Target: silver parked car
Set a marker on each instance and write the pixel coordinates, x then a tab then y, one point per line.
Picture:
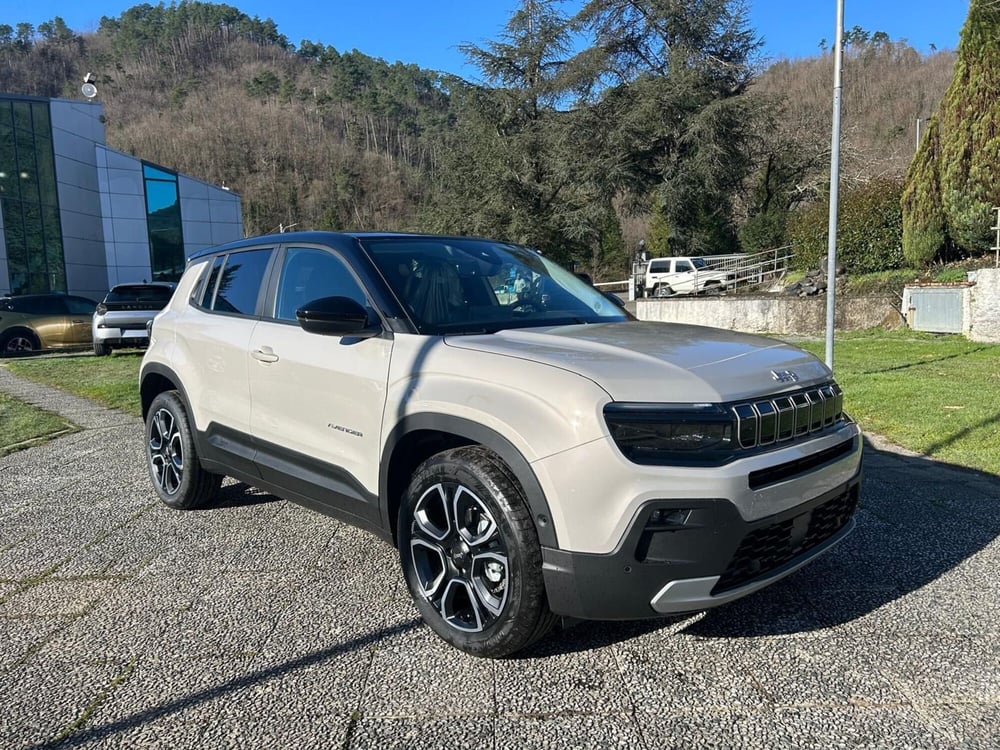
121	317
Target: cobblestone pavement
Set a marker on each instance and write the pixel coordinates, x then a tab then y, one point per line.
256	623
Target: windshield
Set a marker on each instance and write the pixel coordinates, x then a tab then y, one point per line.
699	263
477	286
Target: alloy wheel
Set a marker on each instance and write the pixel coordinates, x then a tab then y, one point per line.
459	557
165	452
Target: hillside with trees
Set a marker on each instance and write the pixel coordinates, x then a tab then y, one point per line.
664	127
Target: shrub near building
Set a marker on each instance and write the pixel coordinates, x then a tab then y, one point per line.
870	229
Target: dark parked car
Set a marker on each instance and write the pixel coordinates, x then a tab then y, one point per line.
121	318
32	322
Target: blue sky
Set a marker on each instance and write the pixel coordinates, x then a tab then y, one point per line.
428	33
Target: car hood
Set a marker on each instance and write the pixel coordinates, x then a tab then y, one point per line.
660	362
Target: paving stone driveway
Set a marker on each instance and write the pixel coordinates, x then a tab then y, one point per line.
256	623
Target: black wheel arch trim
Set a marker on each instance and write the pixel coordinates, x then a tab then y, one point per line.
485	436
155	368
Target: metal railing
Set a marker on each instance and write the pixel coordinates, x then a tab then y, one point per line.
744	269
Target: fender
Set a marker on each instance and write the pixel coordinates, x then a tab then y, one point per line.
477	433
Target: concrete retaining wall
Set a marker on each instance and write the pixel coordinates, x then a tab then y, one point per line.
773	313
984	307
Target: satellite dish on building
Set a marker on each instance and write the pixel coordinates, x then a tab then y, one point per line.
88	89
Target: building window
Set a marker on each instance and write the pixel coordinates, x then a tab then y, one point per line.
28	198
163	218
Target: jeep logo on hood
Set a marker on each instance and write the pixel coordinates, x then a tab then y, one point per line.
784	376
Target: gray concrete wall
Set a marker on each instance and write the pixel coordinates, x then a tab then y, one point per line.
76	127
984	307
772	313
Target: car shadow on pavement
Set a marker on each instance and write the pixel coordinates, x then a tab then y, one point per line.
103	732
238	495
918	521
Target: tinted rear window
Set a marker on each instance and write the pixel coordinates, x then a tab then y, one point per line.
139	294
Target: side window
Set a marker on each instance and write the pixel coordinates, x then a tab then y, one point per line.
240	281
683	265
308	274
79	306
659	266
45	305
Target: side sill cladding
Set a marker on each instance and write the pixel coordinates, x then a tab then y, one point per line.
474	433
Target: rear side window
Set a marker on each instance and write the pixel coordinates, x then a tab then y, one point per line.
659	266
240	282
80	306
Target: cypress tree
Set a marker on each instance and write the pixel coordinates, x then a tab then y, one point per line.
923	213
951	185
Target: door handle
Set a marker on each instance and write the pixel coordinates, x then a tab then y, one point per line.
264	354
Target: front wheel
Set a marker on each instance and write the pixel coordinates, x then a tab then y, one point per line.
470	554
101	349
177	475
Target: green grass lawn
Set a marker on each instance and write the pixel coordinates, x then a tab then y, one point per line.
112	381
25	425
939	395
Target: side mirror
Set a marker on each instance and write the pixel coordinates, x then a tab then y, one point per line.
337	316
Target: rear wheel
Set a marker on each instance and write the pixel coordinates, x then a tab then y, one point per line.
19	342
470	554
177	475
662	290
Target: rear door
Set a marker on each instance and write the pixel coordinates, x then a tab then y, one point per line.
318	400
213	352
81	313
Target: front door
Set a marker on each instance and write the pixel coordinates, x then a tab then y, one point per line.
317	401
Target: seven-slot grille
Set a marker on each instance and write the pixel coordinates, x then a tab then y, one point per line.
788	416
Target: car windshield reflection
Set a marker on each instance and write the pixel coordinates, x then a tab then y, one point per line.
464	286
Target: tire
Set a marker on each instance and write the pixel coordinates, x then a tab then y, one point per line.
172	459
662	290
470	554
20	341
101	349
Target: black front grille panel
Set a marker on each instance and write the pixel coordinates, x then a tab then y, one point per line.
764	550
774	474
789	416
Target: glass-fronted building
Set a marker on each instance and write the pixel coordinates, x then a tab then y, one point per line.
79	217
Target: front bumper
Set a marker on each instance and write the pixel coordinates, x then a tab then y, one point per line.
714	557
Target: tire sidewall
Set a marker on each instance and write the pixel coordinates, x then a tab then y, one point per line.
523	555
171	402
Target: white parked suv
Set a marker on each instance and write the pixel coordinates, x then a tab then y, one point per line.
668	276
531	454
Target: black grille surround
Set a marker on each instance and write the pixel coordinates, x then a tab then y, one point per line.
788	416
756	426
766	549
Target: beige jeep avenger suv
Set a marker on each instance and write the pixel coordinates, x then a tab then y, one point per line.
530	451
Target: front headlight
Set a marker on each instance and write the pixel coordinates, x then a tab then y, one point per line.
697	434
